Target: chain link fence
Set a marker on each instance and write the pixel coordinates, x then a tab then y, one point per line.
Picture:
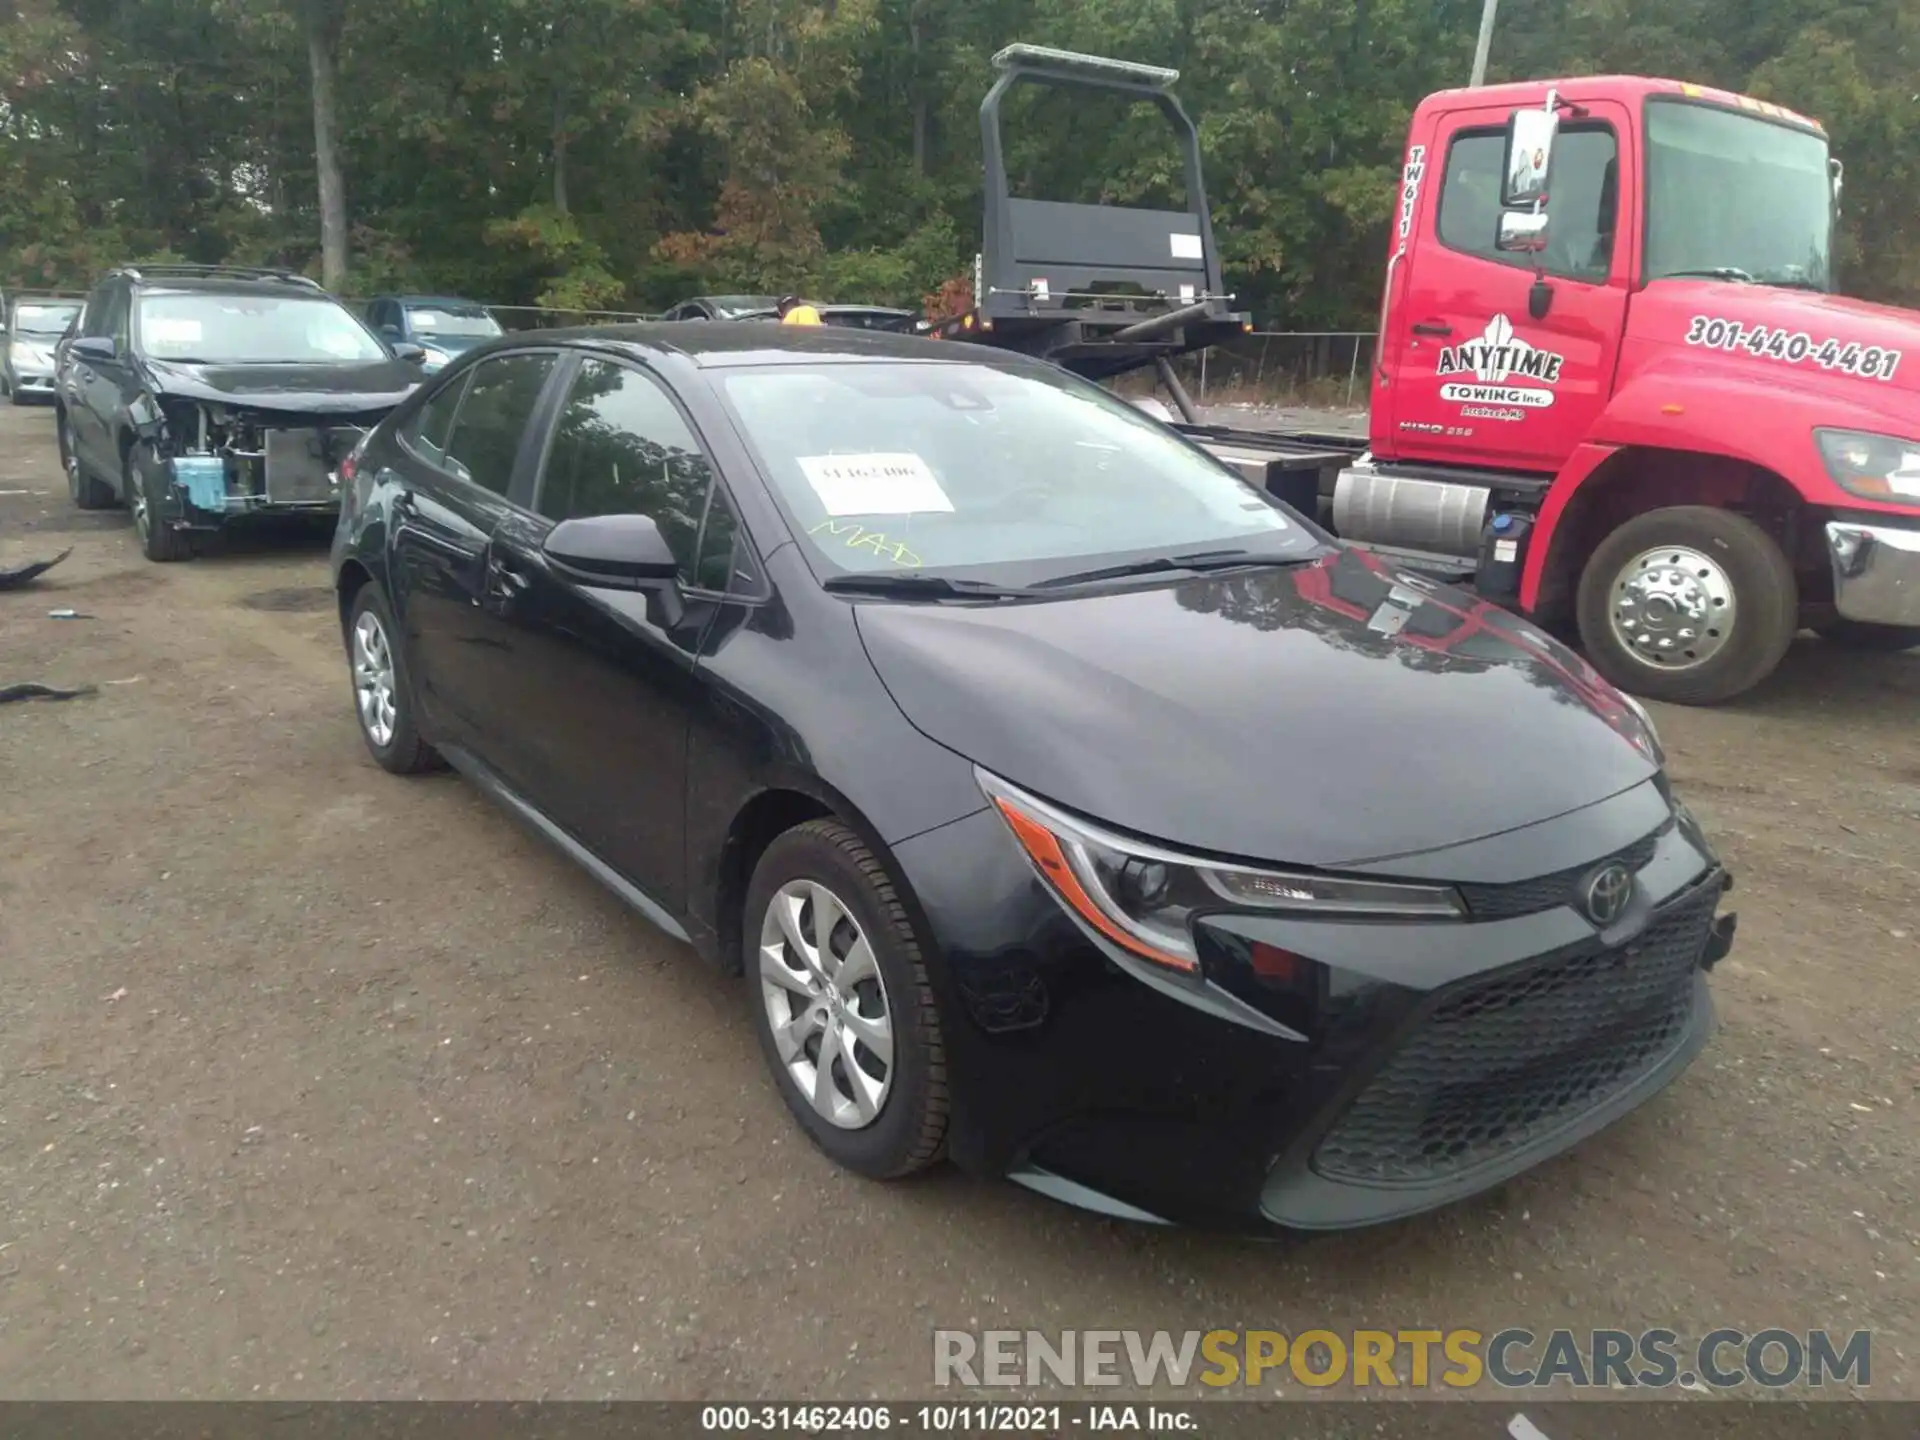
1317	369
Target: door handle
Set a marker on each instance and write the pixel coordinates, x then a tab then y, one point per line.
504	581
1432	327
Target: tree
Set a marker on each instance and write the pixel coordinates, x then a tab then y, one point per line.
324	23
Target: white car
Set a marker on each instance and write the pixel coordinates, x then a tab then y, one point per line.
34	327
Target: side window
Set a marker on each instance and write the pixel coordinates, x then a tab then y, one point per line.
379	316
501	394
100	313
621	448
719	539
118	314
433	421
1586	183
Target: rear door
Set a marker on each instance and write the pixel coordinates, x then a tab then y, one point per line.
605	680
98	384
462	453
1478	379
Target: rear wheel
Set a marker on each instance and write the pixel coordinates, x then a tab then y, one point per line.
145	487
1858	635
82	488
382	688
1688	604
845	1014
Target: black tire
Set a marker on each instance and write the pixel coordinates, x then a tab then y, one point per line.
85	489
1858	635
908	1131
1765	605
402	752
144	489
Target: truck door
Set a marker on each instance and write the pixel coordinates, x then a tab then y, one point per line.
1477	380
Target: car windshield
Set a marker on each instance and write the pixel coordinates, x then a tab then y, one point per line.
254	330
888	466
1735	194
464	321
42	320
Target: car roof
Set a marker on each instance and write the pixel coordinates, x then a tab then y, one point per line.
228	285
712	346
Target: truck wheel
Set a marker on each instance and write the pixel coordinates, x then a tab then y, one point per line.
1688	604
1858	635
158	540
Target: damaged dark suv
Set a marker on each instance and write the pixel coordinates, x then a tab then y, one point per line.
196	395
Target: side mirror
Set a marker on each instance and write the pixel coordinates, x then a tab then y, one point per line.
406	350
1839	174
95	347
1522	232
622	552
615	550
1528	165
392	332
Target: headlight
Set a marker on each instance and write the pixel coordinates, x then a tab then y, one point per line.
435	357
1145	899
1874	467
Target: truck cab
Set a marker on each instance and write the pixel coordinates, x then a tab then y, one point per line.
1614	388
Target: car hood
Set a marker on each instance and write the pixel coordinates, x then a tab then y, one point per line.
1330	713
323	389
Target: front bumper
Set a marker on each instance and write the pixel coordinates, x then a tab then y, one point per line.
1876	571
30	383
1070	1075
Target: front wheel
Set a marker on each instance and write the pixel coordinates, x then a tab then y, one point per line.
1688	604
145	485
1859	635
845	1014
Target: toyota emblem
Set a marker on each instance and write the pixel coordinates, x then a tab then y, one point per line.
1606	894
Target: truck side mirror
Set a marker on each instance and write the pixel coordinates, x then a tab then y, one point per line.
1523	232
1529	156
1839	174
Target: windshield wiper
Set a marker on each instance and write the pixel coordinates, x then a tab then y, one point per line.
1712	272
915	585
1196	560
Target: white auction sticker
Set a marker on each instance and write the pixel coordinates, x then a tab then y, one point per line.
881	484
1184	246
172	330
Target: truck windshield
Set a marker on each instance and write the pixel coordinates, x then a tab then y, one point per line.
1736	196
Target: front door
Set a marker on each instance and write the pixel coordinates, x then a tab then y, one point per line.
605	679
462	451
1480	380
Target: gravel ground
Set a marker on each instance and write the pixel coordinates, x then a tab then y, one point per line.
319	1083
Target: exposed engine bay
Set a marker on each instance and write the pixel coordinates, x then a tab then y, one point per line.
233	460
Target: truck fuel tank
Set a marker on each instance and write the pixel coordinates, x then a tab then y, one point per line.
1407	511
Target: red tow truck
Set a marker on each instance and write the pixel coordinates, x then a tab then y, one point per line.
1613	388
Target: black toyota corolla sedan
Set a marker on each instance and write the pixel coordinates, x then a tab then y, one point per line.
1069	808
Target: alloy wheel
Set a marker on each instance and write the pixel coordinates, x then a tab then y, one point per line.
826	1004
137	503
373	679
71	459
1673	608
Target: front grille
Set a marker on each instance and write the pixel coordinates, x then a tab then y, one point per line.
1526	897
1497	1065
